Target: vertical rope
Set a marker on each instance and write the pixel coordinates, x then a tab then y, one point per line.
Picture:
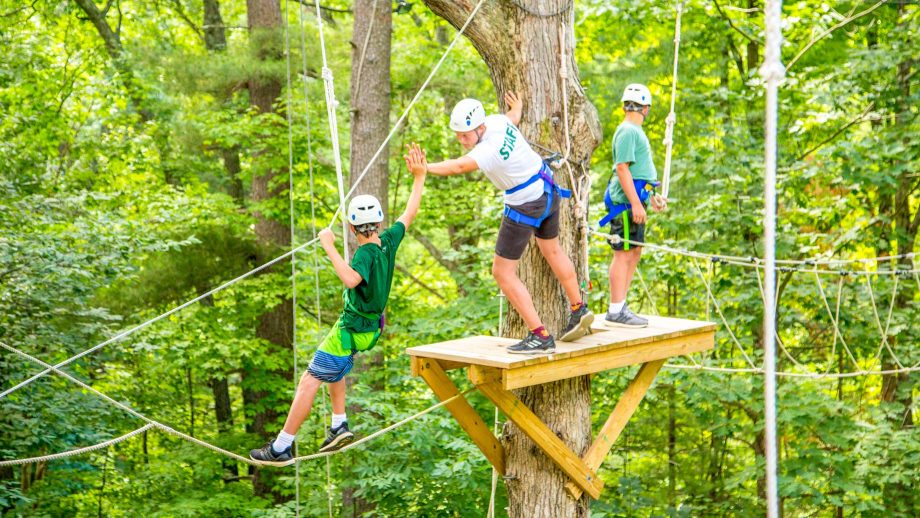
672	116
290	128
491	512
318	309
331	104
772	73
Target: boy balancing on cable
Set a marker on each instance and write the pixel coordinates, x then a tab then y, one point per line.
630	189
367	280
498	148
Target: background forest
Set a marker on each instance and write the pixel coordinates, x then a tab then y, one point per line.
144	160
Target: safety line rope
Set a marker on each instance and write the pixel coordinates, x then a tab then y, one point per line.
166	428
281	257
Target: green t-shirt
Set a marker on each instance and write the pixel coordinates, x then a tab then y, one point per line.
375	264
631	146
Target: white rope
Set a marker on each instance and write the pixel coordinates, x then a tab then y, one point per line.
779	339
648	294
884	330
755	262
290	127
672	116
156	319
204	444
799	375
78	451
409	106
331	105
316	288
501	314
282	256
835	319
721	315
772	72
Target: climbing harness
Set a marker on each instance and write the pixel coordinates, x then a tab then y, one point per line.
549	187
644	188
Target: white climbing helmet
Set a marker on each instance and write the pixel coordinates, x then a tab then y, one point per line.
467	115
364	209
638	94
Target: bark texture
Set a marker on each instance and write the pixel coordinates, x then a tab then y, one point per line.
370	123
521	42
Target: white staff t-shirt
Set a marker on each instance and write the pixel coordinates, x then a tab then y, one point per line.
508	160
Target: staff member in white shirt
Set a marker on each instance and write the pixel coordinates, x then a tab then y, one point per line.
497	147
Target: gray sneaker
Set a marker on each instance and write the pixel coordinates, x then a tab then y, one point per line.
625	318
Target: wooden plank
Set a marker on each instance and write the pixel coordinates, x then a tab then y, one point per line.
431	371
479	374
621	414
605	360
491	351
539	433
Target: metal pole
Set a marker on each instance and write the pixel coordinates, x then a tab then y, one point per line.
772	72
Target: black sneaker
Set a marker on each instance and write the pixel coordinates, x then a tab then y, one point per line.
267	454
337	438
579	324
534	344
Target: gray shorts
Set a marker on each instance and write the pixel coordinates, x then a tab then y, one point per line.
513	237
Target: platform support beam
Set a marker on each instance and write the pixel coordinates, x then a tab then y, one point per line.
621	414
430	370
580	474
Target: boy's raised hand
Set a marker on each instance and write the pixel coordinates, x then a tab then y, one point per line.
416	161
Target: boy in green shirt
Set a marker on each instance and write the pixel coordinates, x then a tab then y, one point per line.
367	279
626	198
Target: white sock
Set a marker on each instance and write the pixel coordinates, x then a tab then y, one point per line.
283	441
338	419
616	307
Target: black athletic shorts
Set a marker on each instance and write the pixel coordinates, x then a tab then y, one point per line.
513	237
624	226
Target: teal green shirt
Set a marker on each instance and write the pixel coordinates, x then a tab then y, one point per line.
631	146
375	264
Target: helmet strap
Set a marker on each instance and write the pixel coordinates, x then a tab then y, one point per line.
479	135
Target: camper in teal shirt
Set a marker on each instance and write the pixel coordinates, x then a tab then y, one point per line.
629	191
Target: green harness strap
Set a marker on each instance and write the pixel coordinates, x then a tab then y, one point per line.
345	335
625	230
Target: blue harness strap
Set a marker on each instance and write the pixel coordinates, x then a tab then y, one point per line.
549	187
644	189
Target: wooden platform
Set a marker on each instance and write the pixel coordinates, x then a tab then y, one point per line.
495	372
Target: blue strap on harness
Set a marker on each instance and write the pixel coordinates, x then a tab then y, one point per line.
644	189
549	187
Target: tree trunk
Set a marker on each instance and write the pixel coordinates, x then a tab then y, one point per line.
276	324
522	52
370	123
899	387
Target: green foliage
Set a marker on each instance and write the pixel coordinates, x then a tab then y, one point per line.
120	198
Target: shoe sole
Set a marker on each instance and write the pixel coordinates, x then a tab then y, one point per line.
271	462
339	442
608	323
582	329
531	353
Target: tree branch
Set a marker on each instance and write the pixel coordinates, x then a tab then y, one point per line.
838	132
418	281
832	29
182	14
433	250
733	26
